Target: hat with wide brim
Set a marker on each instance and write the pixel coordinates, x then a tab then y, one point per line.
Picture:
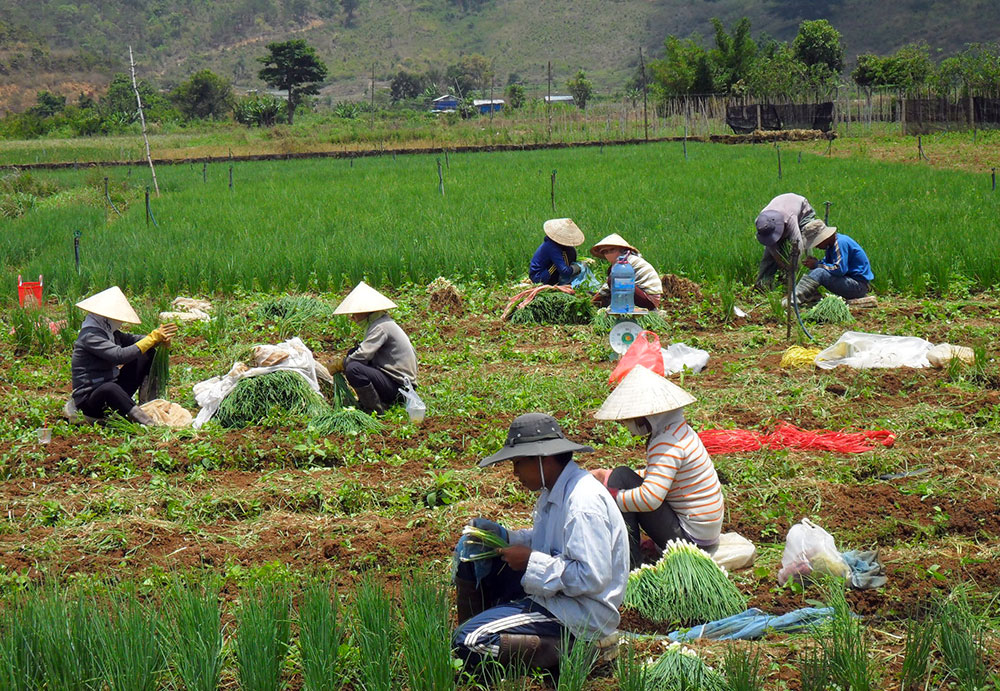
815	232
534	434
641	393
613	240
364	299
110	303
563	231
770	227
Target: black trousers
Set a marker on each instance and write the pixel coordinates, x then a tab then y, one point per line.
360	374
661	525
116	396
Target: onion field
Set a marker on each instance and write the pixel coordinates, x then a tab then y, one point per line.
326	223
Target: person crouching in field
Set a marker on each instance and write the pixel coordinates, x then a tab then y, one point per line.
678	495
844	270
780	225
564	575
648	287
108	366
378	366
554	262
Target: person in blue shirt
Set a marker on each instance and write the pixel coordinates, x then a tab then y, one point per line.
844	269
554	262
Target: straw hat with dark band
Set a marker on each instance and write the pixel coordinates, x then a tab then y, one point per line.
564	232
815	232
112	304
534	434
364	299
641	393
613	240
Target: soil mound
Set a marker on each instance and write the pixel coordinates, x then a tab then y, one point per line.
447	300
680	287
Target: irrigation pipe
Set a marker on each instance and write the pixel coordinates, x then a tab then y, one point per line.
108	197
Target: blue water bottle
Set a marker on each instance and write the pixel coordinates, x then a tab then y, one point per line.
622	287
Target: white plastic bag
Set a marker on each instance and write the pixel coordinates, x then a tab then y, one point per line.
810	549
677	356
734	552
415	406
863	350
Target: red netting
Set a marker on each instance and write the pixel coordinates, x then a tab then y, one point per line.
787	436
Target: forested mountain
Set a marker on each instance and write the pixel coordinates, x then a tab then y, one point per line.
74	46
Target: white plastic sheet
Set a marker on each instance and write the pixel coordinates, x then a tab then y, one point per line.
209	393
864	350
677	356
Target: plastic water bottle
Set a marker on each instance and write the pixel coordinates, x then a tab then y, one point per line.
622	287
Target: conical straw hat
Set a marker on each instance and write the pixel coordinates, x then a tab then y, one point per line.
643	392
110	303
564	231
613	240
364	299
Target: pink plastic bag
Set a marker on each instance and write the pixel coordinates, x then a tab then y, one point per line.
644	351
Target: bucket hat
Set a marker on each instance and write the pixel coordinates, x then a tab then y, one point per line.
641	393
563	231
364	299
110	303
815	232
613	240
770	227
534	434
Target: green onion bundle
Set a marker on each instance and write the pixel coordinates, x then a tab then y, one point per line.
342	395
555	307
159	372
685	588
681	668
830	310
347	420
486	539
604	321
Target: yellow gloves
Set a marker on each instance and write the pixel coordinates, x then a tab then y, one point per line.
161	334
337	365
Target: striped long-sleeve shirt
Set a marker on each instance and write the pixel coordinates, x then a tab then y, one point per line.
680	472
646	277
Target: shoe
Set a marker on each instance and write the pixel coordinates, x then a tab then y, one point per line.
139	415
369	400
74	416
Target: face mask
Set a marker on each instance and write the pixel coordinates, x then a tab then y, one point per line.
638	426
115	324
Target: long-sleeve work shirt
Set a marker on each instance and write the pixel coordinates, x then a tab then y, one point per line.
387	347
98	353
846	258
551	263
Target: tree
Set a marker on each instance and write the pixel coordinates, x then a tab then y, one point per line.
683	70
733	54
868	72
349	7
581	88
292	66
204	95
48	104
818	43
908	68
779	74
515	96
406	85
470	72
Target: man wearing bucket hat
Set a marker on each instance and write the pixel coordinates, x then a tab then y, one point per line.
678	495
648	287
384	360
567	573
108	366
844	271
554	262
779	229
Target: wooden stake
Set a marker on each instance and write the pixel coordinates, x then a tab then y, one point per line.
142	119
645	115
440	178
548	102
553	193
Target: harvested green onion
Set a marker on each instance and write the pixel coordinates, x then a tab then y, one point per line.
830	310
486	539
681	668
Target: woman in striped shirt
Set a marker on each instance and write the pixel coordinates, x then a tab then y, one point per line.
677	495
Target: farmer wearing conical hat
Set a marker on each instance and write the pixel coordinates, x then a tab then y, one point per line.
779	228
554	262
648	287
378	366
108	366
844	270
678	495
565	574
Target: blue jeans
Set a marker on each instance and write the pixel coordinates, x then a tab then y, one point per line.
847	287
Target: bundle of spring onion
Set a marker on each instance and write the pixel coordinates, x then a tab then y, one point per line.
345	421
159	372
555	307
604	321
342	395
830	310
681	668
685	587
490	542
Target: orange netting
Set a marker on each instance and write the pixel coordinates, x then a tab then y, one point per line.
787	436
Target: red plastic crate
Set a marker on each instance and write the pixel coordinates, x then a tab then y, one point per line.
30	292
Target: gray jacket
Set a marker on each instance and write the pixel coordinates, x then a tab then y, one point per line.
98	353
387	347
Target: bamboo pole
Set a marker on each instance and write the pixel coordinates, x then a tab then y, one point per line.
142	119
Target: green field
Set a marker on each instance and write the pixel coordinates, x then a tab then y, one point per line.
329	222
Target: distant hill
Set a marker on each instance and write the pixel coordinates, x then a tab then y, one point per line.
71	48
